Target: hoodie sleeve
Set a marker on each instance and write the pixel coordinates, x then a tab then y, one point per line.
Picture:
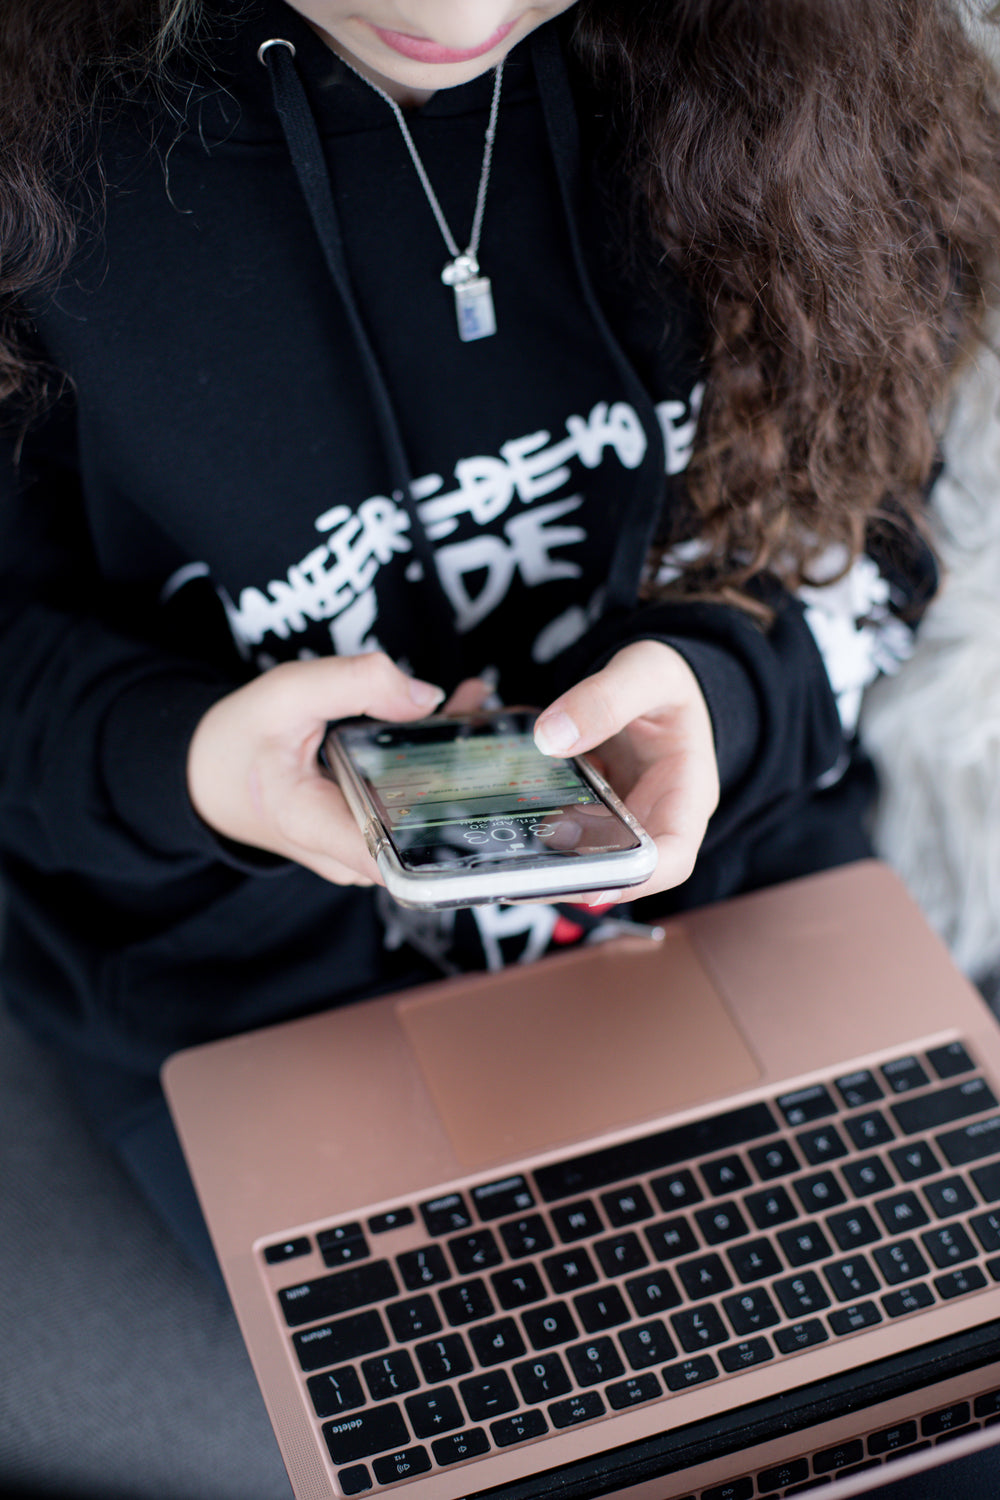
95	719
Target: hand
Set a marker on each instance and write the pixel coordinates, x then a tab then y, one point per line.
645	716
253	773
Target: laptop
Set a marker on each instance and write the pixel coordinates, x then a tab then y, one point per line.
715	1216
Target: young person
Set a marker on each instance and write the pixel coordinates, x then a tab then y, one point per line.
255	477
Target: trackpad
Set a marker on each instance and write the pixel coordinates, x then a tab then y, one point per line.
560	1051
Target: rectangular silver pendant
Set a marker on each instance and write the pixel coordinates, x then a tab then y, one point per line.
474	309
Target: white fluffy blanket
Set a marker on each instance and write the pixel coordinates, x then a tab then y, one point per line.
934	728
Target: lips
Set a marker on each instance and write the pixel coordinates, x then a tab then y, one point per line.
422	49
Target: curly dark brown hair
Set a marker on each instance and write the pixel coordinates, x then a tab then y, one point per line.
824	174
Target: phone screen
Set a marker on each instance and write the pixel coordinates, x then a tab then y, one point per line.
477	791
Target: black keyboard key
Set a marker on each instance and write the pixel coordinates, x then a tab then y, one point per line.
656	1153
446	1215
424	1267
652	1293
948	1246
944	1106
750	1311
633	1391
770	1207
850	1279
580	1408
993	1266
689	1372
699	1328
903	1074
677	1190
957	1283
900	1262
627	1205
466	1302
460	1445
800	1295
948	1197
776	1159
335	1391
519	1428
495	1343
601	1309
726	1174
570	1272
594	1362
495	1200
804	1244
733	1489
908	1299
547	1326
542	1378
819	1192
416	1318
342	1292
287	1250
782	1475
857	1315
388	1375
915	1161
806	1105
355	1480
577	1221
801	1336
528	1236
648	1344
867	1175
704	1277
853	1228
973	1143
859	1089
946	1420
871	1129
850	1452
444	1358
745	1354
950	1060
986	1228
721	1222
753	1260
673	1237
396	1218
432	1412
987	1405
488	1396
343	1244
518	1286
891	1439
344	1339
821	1145
987	1180
475	1252
621	1254
902	1213
365	1432
404	1464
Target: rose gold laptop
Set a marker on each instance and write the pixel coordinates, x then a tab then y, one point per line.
716	1217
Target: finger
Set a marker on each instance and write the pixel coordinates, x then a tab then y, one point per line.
644	677
468	697
336	687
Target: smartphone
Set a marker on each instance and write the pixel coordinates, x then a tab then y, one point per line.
465	811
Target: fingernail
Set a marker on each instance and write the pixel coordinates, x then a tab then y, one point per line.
606	898
556	734
425	694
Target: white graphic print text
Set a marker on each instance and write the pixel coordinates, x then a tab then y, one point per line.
335	582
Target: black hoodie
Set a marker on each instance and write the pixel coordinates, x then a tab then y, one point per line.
270	430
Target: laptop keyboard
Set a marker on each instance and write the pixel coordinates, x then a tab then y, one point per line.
547	1299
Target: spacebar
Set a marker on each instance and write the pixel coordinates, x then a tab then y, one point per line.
651	1153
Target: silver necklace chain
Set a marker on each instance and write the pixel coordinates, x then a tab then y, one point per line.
473	299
